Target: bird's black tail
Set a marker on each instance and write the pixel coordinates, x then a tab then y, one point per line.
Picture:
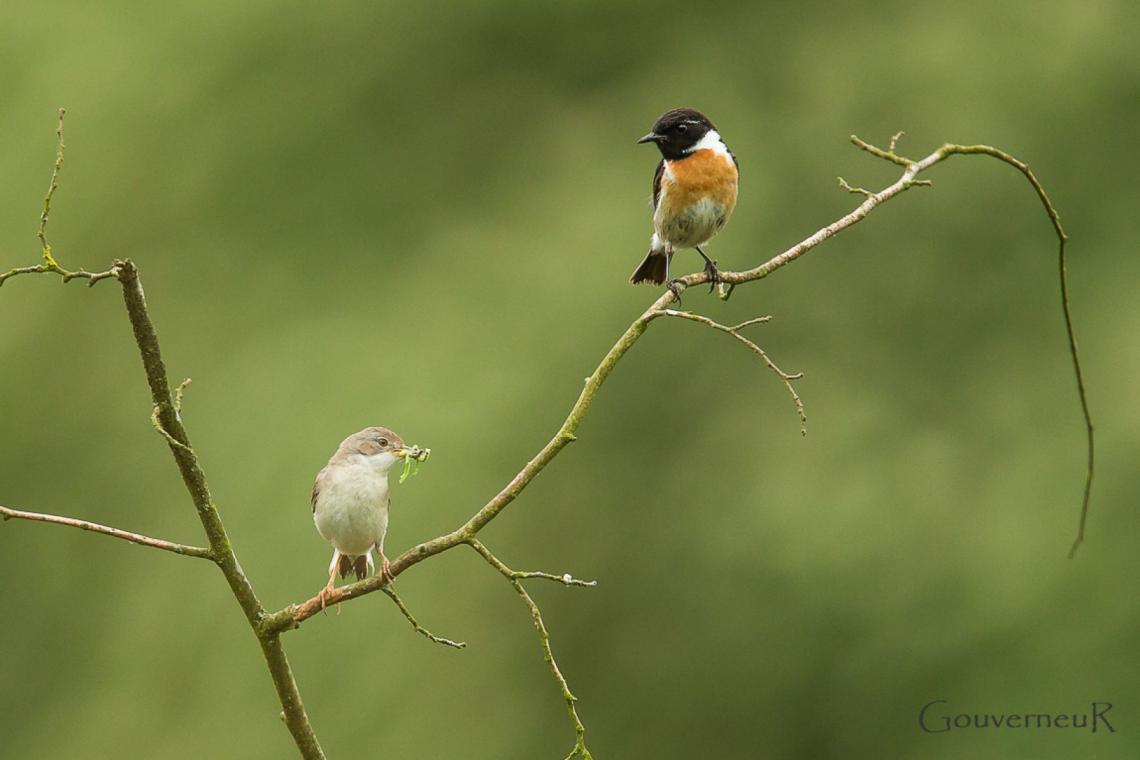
654	268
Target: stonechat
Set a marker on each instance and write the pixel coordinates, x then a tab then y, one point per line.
694	192
350	501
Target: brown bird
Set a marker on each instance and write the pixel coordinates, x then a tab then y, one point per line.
350	502
694	192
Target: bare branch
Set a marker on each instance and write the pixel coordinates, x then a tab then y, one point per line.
1062	239
785	377
42	232
565	579
106	530
182	386
292	616
48	263
512	577
387	589
157	425
856	190
167	421
950	149
888	154
749	322
68	276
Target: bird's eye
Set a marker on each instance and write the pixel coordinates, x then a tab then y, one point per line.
383	442
682	128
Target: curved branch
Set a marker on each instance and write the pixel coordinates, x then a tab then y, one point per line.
106	530
293	615
513	577
391	592
1070	333
950	149
785	377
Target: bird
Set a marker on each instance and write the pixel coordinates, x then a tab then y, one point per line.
350	502
694	192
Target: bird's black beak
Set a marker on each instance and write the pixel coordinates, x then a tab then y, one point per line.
651	137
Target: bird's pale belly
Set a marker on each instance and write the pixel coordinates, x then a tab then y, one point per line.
694	225
352	514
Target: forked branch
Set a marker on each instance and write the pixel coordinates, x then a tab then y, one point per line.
515	579
48	262
734	331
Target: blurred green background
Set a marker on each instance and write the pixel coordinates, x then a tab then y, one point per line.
423	216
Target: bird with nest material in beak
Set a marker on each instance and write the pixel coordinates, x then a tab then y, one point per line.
350	502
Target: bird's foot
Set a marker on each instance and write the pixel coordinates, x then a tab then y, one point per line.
672	285
385	570
325	594
713	273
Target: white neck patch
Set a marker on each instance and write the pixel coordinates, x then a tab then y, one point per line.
711	141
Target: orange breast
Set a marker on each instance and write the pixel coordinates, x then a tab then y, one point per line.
705	174
697	196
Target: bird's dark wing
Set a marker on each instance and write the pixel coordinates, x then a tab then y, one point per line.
316	491
657	182
734	159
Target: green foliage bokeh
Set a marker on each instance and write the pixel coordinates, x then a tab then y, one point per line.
423	216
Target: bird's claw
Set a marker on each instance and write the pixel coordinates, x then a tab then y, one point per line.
324	596
672	285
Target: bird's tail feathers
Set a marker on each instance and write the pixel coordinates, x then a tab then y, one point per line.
653	268
357	565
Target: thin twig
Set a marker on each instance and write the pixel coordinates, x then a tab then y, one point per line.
512	577
785	377
749	322
951	149
68	276
888	154
857	190
106	530
157	424
1062	239
565	579
182	386
387	589
41	233
48	262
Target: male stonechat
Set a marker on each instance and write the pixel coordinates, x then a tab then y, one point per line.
350	501
694	192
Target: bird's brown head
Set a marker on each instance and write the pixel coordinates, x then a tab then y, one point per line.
678	131
376	445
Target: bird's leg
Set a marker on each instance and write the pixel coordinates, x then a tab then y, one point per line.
327	591
670	282
385	566
710	270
